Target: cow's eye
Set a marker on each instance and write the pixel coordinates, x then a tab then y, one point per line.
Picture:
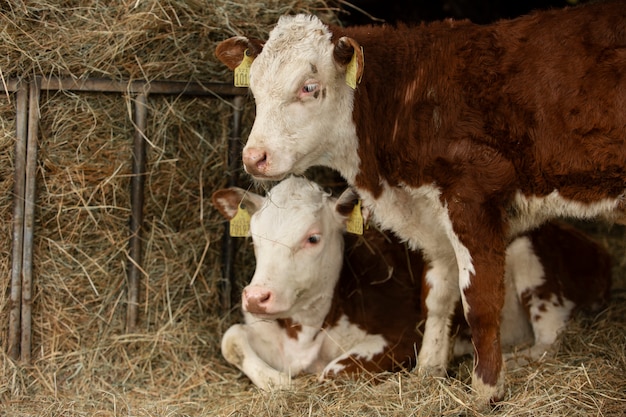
310	88
314	239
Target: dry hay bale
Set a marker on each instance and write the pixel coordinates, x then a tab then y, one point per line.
136	39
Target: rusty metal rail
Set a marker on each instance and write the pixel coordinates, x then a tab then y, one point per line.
27	123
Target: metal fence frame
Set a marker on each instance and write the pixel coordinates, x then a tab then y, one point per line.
27	123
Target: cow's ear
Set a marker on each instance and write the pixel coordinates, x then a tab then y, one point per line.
346	203
348	54
232	50
228	200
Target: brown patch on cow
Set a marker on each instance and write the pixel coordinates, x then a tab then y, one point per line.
390	360
291	328
377	302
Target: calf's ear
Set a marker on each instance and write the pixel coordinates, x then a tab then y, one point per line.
348	55
228	200
346	203
231	51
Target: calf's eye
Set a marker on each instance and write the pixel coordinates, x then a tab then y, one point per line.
314	239
310	88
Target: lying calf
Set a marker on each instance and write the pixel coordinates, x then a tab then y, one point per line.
316	306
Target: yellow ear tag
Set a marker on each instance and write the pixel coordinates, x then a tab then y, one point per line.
351	71
242	72
354	224
240	224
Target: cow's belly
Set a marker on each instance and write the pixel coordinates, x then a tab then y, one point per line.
529	212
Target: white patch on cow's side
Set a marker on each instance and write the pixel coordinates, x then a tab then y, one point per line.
347	340
530	212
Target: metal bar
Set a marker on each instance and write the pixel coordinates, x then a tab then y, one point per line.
22	253
227	282
136	220
29	219
142	87
11	86
21	122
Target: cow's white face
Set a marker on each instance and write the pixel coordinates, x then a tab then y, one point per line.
298	245
297	232
303	105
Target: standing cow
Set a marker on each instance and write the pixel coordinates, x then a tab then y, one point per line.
456	136
317	305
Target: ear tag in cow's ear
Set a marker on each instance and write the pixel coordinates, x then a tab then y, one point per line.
353	69
354	223
240	224
242	72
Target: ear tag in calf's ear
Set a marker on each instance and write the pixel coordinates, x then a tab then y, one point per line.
242	72
240	224
354	224
352	70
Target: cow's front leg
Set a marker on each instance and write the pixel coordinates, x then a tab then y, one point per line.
482	285
442	294
239	350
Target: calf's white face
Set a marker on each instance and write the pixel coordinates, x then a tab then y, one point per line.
297	235
303	103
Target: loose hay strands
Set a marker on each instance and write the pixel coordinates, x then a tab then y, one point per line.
84	363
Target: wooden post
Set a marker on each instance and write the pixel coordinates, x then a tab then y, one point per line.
136	219
15	314
29	219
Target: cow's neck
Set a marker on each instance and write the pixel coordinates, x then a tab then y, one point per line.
312	314
394	105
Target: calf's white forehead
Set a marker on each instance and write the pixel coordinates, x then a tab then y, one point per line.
295	42
290	206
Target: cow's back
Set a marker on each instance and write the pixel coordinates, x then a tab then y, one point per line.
531	104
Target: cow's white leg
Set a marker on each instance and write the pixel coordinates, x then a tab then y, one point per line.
440	303
548	318
237	350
